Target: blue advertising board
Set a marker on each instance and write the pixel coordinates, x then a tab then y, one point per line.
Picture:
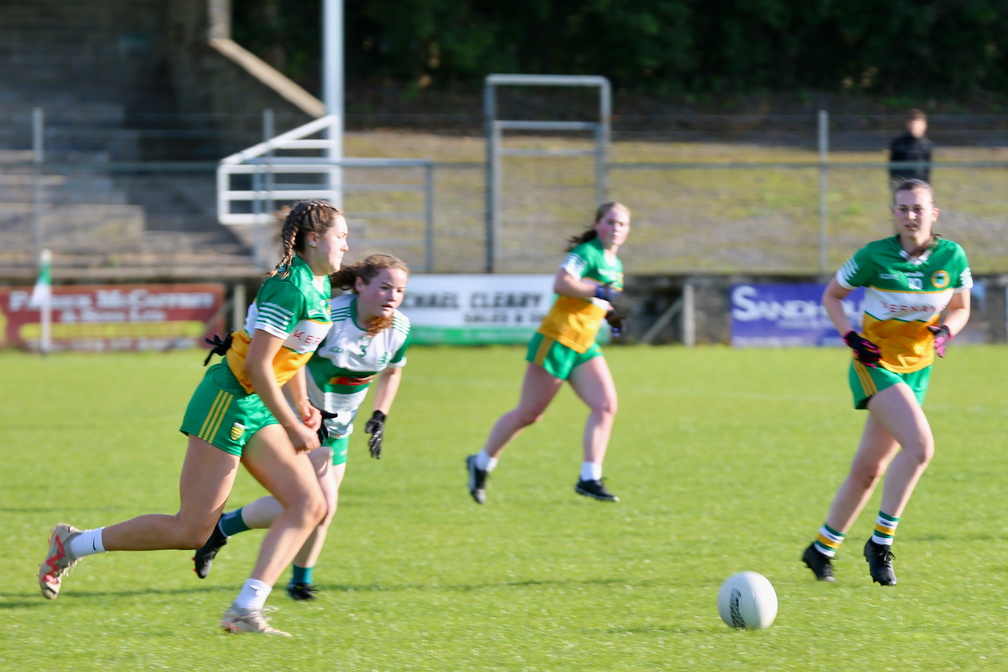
787	315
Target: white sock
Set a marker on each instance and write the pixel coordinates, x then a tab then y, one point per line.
591	471
87	542
485	462
253	595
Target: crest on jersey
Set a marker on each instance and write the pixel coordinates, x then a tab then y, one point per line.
940	279
237	430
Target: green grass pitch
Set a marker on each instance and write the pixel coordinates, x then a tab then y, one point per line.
725	459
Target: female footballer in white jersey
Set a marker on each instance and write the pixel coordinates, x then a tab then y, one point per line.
367	343
239	415
564	349
917	298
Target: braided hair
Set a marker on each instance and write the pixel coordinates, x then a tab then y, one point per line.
367	270
591	233
305	217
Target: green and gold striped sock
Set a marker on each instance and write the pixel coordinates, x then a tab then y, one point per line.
828	540
885	529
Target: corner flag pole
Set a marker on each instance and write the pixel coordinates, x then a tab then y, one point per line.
41	298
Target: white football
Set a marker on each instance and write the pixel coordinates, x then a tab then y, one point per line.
747	600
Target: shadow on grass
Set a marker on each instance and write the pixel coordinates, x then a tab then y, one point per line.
19	599
656	630
494	585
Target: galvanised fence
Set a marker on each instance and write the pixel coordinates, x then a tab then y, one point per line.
767	194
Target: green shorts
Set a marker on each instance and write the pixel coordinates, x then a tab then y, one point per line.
557	359
222	413
340	449
865	382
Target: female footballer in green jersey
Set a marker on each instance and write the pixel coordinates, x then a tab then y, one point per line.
564	349
239	415
917	298
367	343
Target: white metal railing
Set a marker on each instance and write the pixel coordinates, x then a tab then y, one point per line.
269	177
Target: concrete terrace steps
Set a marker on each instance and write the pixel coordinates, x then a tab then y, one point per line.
115	241
97	71
59	190
96	230
73	129
150	256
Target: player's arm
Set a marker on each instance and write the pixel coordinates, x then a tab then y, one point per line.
566	284
386	388
957	313
832	302
259	367
296	392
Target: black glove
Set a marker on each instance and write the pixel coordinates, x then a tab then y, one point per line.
607	292
866	352
376	428
323	431
615	321
220	346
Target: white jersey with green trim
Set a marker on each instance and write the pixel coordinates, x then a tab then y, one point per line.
348	360
904	295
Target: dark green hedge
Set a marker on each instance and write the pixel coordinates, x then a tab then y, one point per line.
909	48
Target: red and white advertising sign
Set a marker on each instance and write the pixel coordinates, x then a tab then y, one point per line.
115	317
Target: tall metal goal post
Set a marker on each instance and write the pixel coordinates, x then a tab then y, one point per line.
495	127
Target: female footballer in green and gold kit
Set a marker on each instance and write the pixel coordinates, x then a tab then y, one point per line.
239	415
589	280
917	298
367	344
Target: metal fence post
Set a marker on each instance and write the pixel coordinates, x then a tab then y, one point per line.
489	116
239	306
38	142
823	176
258	253
689	315
429	213
604	129
270	179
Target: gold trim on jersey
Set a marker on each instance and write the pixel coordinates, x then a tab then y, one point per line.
905	346
573	322
285	364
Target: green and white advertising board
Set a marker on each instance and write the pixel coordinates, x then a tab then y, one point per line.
476	309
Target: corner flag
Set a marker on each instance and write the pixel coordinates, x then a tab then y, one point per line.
41	298
42	294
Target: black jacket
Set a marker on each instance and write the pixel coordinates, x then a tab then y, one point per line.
908	148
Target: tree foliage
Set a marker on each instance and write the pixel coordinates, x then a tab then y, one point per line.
926	47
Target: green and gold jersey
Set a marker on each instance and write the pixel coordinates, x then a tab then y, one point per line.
571	321
904	295
291	308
